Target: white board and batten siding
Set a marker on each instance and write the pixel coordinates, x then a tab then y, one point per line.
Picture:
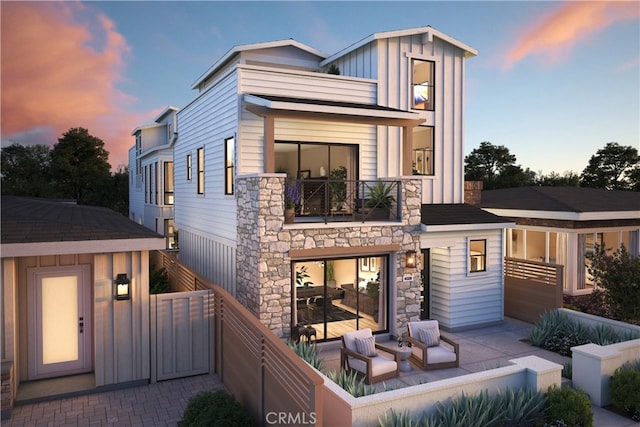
460	299
207	222
389	61
121	327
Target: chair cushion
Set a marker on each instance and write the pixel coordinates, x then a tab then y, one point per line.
439	354
350	338
379	365
429	336
366	346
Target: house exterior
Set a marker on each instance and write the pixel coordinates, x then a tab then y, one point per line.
60	313
273	122
561	225
151	175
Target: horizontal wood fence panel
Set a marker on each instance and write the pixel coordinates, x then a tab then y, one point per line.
531	288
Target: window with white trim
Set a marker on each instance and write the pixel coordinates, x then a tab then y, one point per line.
477	255
423	84
229	164
200	166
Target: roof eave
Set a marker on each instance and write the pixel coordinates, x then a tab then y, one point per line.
429	33
81	247
243	48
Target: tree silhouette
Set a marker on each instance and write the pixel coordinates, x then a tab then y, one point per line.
614	167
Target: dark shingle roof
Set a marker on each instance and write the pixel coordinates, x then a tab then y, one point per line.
457	213
561	199
29	220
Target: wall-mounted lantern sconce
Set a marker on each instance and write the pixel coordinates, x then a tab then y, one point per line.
123	288
411	259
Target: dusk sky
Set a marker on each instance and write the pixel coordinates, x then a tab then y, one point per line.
553	81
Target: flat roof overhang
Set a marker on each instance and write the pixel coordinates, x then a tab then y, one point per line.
264	106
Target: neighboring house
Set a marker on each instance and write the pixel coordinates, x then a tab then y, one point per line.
151	176
60	313
272	117
561	225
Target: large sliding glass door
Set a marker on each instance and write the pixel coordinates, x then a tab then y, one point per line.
335	296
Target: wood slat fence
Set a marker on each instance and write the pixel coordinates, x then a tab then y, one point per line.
531	288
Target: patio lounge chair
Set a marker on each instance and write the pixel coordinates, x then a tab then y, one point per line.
429	349
361	353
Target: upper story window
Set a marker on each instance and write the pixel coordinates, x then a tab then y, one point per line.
477	255
229	164
188	167
168	183
156	184
423	84
423	150
200	166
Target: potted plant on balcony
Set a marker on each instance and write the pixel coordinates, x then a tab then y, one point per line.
338	187
380	200
292	197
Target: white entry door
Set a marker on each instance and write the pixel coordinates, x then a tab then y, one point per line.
60	330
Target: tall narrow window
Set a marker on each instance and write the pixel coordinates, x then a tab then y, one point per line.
146	184
423	150
229	164
188	167
423	85
477	255
168	183
156	183
200	166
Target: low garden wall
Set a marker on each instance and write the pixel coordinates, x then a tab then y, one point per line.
341	408
593	321
593	365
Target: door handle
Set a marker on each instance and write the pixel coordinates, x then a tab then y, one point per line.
81	324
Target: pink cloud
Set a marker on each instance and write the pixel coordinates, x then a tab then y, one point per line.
59	71
556	34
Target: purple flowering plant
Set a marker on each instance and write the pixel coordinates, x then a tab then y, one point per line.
292	193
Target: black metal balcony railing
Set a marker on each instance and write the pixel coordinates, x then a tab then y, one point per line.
326	200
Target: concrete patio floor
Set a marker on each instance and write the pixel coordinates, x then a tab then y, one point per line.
480	349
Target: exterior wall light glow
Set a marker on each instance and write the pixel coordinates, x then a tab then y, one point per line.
122	287
411	259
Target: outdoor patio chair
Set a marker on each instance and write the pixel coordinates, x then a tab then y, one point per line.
429	349
361	353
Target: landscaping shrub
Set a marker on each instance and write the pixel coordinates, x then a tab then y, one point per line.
158	281
624	389
511	408
216	409
568	405
561	342
619	275
555	331
308	352
350	382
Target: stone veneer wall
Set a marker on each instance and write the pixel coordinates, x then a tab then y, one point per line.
264	265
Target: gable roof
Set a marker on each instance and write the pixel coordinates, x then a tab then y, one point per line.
243	48
33	226
459	216
428	32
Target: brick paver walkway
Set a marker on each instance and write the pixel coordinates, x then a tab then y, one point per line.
160	404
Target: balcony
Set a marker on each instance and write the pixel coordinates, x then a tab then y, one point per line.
326	200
